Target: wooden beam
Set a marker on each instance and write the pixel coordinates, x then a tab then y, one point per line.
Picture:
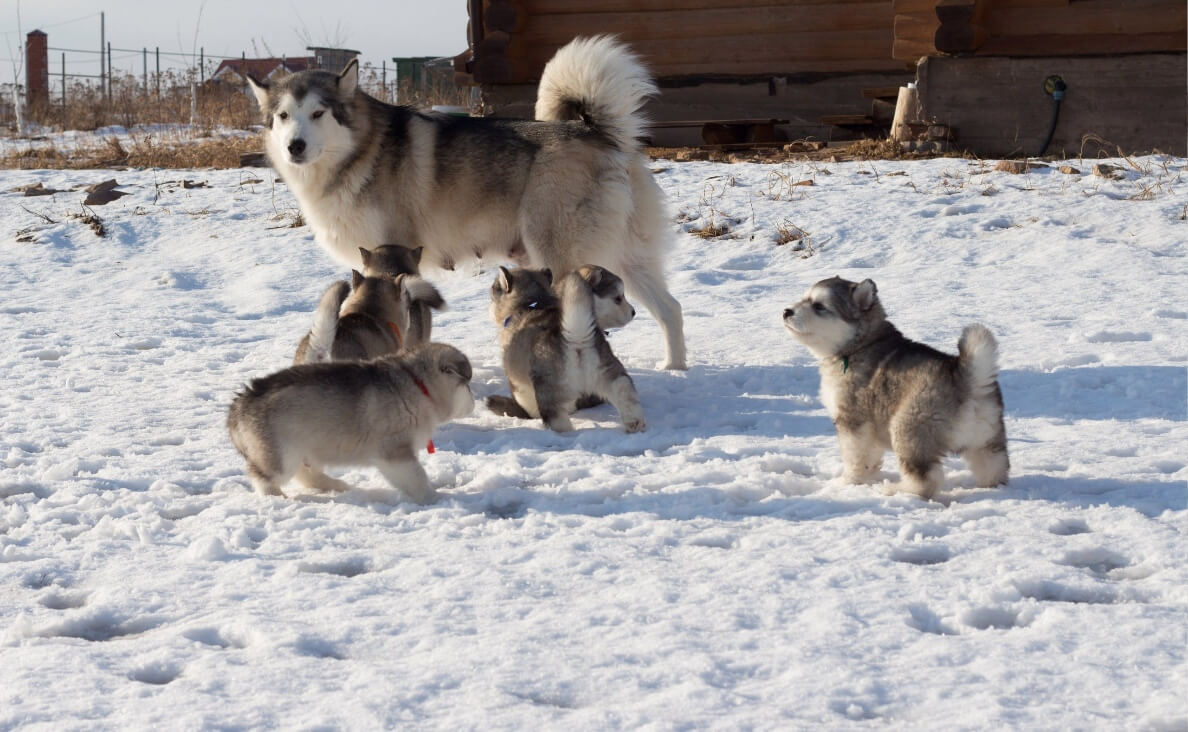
961	25
623	6
1084	45
707	24
1090	17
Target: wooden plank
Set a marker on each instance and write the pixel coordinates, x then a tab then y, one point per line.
622	6
558	29
524	71
961	25
910	7
906	51
1089	17
702	122
847	120
882	92
914	36
1083	45
727	51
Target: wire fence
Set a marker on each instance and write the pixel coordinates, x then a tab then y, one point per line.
90	89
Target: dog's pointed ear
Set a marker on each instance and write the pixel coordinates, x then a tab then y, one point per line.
259	91
348	80
356	279
416	255
548	274
365	253
504	279
592	275
865	294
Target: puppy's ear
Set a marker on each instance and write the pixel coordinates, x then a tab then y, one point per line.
365	253
865	295
548	275
259	91
416	255
356	279
504	279
592	275
348	80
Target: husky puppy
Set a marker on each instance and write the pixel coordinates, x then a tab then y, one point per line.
883	390
569	188
379	412
355	322
393	260
554	351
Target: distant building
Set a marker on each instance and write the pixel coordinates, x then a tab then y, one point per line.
332	59
235	70
424	76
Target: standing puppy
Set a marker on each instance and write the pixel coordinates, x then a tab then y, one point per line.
554	352
885	391
381	412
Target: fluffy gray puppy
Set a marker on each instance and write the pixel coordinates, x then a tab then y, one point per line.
380	412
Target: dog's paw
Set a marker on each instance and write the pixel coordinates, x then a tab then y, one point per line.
675	365
635	425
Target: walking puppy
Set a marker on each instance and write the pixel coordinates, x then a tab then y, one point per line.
381	412
554	352
883	390
372	317
569	188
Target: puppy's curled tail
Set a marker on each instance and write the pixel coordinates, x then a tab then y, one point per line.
421	292
600	81
579	324
325	323
977	352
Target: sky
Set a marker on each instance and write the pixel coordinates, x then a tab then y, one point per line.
378	29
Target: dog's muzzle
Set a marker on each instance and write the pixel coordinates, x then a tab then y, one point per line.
297	150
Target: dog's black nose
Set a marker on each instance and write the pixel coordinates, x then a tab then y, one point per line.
633	312
296	147
789	312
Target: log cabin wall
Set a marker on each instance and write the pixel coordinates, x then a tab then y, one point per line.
714	59
985	62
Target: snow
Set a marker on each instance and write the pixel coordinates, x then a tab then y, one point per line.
711	572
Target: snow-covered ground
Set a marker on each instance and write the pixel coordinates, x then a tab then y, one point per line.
711	572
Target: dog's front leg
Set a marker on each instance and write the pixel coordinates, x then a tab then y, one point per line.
622	394
407	476
861	452
553	405
313	478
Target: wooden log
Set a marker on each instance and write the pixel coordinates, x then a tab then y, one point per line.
882	92
961	27
728	51
707	24
1083	45
522	71
621	6
500	15
911	7
1091	17
914	36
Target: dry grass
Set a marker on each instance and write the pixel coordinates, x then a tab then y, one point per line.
143	151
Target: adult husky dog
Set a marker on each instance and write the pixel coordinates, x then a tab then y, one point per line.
571	188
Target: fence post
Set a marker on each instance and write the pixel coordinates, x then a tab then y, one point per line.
384	78
102	63
193	104
202	65
63	91
158	77
145	51
109	71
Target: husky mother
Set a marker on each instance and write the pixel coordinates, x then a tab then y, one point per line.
569	189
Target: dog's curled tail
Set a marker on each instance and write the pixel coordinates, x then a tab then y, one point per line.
325	323
579	322
421	292
977	352
600	81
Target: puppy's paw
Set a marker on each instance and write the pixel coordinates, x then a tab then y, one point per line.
635	425
675	365
560	423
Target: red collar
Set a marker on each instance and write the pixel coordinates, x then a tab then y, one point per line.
400	341
424	390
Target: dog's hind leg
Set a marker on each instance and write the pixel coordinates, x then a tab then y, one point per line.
264	483
646	285
989	465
